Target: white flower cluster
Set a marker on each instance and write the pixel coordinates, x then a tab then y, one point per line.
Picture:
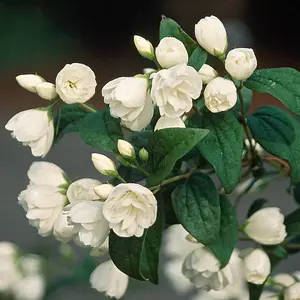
21	276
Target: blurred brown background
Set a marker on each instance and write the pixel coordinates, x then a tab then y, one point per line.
42	36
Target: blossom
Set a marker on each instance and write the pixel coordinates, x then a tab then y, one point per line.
292	292
75	83
211	35
130	208
166	122
171	52
207	73
30	264
129	100
104	164
256	266
103	190
33	128
283	280
109	279
174	89
46	90
87	218
29	81
220	95
143	46
202	268
266	226
62	230
240	63
126	149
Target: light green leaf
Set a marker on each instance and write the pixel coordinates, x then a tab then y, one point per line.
101	130
292	223
223	245
282	83
197	207
223	146
279	134
198	58
166	146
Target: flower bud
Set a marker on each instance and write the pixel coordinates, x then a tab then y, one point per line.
171	52
103	190
292	292
104	165
143	154
126	149
240	63
148	70
166	122
46	90
266	226
29	81
283	280
144	47
211	35
207	73
256	266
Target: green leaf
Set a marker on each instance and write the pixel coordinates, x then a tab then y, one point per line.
169	28
197	207
255	291
226	240
247	98
198	58
276	252
140	139
223	146
256	206
101	130
138	257
67	119
293	245
282	140
166	146
292	223
296	192
282	83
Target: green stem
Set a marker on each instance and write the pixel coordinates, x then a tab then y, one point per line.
121	178
292	246
88	108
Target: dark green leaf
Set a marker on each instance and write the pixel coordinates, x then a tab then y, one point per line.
276	252
101	130
138	257
224	244
140	139
282	83
223	146
131	175
166	146
292	223
197	207
293	245
198	58
282	141
67	119
255	291
169	28
296	192
256	205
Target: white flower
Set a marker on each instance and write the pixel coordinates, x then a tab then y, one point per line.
103	190
256	266
29	288
109	279
148	70
9	274
266	226
46	173
202	268
33	128
220	95
43	205
292	292
8	250
104	164
173	90
63	231
102	250
29	81
129	100
88	219
283	280
211	35
257	147
82	189
126	149
171	52
30	264
46	90
240	63
75	83
166	122
143	46
268	296
130	208
207	73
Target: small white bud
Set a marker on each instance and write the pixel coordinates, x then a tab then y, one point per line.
283	280
143	154
148	70
104	165
207	73
292	292
29	81
46	90
103	190
144	47
126	149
